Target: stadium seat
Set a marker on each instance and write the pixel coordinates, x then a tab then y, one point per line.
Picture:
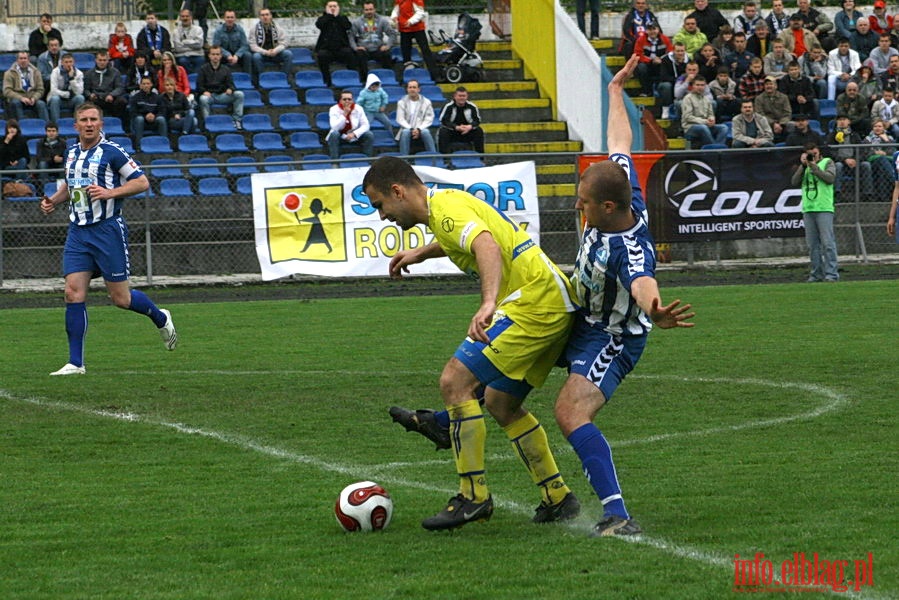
294	122
394	93
273	80
84	60
353	159
419	74
257	122
343	78
192	81
433	93
200	167
827	109
155	144
111	126
242	81
252	99
175	187
30	128
714	147
320	165
244	185
125	143
66	127
7	61
465	159
387	76
383	139
32	146
302	56
282	98
813	124
276	158
165	168
323	121
50	188
241	165
309	79
268	141
193	143
214	186
305	140
428	159
230	142
397	54
219	124
320	97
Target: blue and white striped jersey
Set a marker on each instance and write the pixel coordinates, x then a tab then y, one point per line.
106	164
607	263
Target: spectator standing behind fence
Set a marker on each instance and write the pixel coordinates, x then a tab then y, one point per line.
23	88
635	22
179	116
268	43
145	108
349	125
410	17
51	151
232	39
153	39
39	39
66	88
816	176
460	123
199	9
751	130
373	37
187	42
121	48
698	117
215	84
414	115
335	42
14	155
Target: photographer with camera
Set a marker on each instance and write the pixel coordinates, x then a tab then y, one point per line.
817	175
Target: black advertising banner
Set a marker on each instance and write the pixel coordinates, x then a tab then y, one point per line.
707	196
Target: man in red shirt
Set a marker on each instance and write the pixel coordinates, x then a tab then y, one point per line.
409	18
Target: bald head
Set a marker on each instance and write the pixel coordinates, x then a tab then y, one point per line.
607	181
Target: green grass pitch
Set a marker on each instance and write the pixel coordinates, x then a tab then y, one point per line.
211	471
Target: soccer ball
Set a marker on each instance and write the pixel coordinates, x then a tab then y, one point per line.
363	506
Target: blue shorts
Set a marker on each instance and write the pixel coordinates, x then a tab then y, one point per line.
100	249
474	356
601	357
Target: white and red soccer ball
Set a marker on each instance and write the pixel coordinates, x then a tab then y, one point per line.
363	506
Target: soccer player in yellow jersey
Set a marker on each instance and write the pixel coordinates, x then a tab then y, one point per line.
514	338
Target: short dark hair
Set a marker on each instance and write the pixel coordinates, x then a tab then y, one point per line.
608	181
387	171
51	125
698	79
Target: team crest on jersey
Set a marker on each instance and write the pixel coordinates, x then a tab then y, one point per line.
447	224
602	256
95	158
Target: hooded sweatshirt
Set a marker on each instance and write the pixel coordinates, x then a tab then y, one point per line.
372	101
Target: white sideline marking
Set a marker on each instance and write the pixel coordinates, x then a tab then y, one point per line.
359	471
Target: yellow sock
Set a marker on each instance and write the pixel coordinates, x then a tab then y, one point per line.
468	434
532	446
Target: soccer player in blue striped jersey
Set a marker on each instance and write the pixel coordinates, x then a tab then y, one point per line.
614	281
99	174
514	338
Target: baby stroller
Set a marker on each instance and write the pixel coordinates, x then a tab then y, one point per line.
458	59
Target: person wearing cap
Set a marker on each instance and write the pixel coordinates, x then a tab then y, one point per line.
797	39
842	63
778	19
634	23
802	133
746	20
651	47
698	117
690	35
817	22
800	90
880	21
774	106
845	21
751	130
815	176
863	40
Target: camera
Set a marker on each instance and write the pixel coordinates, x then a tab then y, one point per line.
810	156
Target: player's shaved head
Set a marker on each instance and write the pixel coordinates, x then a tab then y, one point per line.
607	181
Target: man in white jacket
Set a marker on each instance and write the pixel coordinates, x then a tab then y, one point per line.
349	125
66	87
842	63
414	115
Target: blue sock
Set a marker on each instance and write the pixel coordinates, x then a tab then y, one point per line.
76	329
442	418
596	457
141	303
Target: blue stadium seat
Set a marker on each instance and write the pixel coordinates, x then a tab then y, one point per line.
244	185
155	144
428	159
193	143
397	54
219	124
165	168
354	159
714	147
827	109
252	99
230	142
317	157
30	128
175	187
268	141
49	188
383	139
320	97
815	125
32	145
302	56
214	186
84	60
282	98
200	167
66	127
242	81
419	74
273	80
258	122
276	158
465	159
394	93
323	121
305	140
125	143
309	79
7	61
294	122
433	93
112	126
192	81
241	165
342	78
387	76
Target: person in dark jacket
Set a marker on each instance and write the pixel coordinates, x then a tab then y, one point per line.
800	90
176	108
146	110
103	86
460	122
215	84
334	42
14	155
39	39
140	69
153	40
51	151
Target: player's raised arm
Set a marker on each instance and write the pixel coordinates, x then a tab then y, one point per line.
618	127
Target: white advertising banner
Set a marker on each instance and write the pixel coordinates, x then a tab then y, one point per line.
321	223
